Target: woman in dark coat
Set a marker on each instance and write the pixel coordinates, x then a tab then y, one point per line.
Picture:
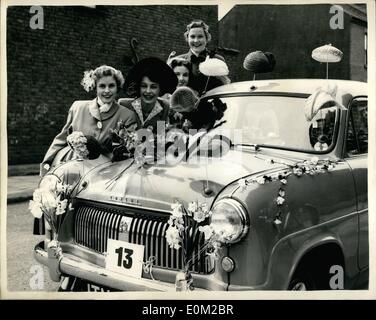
198	36
147	82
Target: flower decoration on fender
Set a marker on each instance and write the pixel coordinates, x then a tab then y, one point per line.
309	167
51	200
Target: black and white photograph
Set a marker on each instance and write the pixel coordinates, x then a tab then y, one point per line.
186	149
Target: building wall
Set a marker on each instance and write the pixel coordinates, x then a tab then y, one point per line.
45	67
358	70
290	33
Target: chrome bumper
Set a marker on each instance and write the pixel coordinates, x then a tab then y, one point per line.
68	264
71	265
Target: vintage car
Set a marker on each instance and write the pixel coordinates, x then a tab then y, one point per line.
291	190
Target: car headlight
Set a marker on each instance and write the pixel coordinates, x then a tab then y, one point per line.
229	220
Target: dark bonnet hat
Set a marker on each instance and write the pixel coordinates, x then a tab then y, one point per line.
156	70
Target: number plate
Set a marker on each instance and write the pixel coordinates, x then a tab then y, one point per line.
125	258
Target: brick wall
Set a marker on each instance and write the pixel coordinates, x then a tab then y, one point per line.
45	67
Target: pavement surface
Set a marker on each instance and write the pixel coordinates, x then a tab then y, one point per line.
21	188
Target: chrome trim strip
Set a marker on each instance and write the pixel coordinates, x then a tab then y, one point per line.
150	237
143	231
132	206
158	244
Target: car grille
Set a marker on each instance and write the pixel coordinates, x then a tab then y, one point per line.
95	224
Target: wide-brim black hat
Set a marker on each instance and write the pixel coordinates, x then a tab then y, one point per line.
156	70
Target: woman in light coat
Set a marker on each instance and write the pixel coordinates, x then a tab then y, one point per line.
92	117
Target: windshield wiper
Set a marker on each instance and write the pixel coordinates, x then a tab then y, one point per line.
255	146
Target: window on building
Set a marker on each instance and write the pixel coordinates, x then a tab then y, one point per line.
365	49
357	131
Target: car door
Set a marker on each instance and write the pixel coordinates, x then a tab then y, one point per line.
356	156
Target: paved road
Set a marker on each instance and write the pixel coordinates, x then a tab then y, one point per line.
22	268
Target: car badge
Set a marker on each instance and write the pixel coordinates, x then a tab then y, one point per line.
124	228
126	199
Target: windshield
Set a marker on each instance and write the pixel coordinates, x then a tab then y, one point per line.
276	121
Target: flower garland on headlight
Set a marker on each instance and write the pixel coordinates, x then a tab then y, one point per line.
185	227
308	167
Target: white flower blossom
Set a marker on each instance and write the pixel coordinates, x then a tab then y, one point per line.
49	201
173	237
242	183
280	200
282	193
49	183
37	195
260	180
204	207
35	209
314	160
330	167
177	210
61	207
192	206
207	230
277	221
298	171
283	181
199	216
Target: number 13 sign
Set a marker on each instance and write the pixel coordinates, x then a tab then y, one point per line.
124	257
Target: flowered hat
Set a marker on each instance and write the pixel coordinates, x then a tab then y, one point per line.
154	68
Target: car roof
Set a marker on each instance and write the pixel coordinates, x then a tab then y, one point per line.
297	86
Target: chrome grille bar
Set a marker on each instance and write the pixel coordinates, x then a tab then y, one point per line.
95	225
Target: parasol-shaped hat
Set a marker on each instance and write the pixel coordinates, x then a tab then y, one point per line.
156	70
213	67
259	62
327	54
184	99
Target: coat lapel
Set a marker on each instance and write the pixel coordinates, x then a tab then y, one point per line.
94	110
136	104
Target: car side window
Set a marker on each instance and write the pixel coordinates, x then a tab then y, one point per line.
357	131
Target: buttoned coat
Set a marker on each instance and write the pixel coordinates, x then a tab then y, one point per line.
84	116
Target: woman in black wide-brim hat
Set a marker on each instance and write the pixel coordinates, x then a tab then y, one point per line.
147	81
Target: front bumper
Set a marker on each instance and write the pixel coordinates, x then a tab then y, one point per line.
68	264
